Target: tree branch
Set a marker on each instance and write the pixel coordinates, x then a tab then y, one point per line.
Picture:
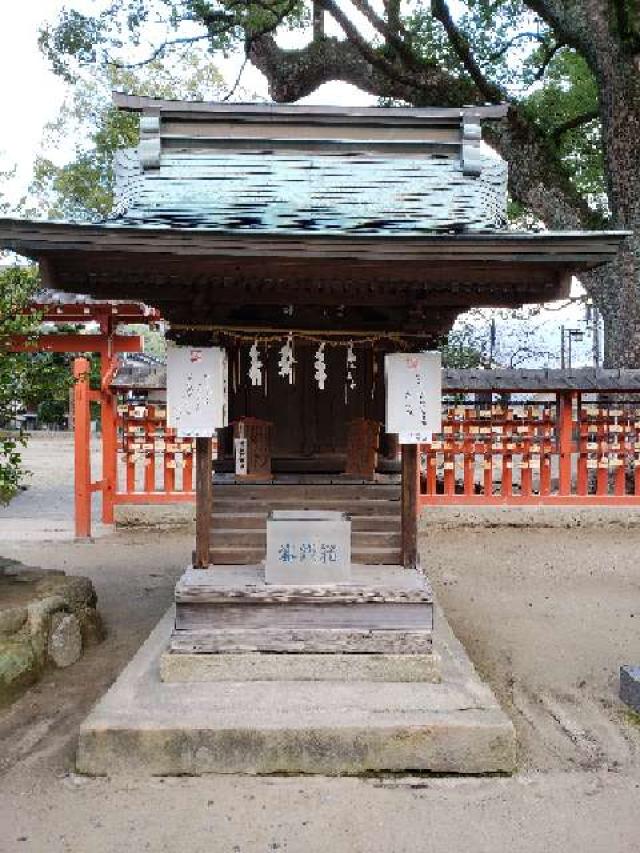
550	52
462	48
573	123
391	35
570	22
537	178
294	74
159	51
514	40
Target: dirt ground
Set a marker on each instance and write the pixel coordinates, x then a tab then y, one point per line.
546	615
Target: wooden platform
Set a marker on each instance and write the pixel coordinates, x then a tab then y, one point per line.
230	609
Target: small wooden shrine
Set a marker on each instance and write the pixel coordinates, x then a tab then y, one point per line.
307	243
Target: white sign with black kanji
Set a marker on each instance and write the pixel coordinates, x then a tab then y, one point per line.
414	395
196	390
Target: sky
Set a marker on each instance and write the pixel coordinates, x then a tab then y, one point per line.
32	96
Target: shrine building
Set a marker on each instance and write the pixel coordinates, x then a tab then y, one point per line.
306	244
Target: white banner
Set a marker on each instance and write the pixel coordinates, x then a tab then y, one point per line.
196	390
414	395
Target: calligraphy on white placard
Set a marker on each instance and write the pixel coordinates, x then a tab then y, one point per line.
196	390
414	395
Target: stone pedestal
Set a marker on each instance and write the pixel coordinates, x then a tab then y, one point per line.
308	547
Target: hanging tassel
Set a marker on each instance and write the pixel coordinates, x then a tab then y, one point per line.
287	360
255	366
321	367
351	367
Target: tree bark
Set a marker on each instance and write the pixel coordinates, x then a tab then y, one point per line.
616	288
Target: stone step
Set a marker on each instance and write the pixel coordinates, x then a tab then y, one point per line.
144	727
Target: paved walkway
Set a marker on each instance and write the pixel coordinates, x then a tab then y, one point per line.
44	510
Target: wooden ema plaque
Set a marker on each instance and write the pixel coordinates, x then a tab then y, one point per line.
362	448
252	439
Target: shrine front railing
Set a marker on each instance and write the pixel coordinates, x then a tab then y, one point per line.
510	445
154	466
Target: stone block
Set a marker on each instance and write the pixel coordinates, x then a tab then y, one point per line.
255	666
630	686
12	619
65	640
19	666
145	726
308	547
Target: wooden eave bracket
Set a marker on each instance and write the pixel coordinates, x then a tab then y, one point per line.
471	140
150	145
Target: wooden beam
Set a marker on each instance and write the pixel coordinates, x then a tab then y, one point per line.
204	488
410	474
77	343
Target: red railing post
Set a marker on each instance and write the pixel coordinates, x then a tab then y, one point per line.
82	448
565	441
109	430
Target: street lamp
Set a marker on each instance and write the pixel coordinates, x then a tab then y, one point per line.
569	335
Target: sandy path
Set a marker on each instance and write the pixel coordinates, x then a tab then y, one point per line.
547	615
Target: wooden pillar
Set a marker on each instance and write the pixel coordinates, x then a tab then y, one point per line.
204	484
410	475
565	441
82	448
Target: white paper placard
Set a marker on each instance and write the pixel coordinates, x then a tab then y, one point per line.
414	395
240	446
196	390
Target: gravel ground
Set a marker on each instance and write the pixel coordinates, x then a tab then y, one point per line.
547	616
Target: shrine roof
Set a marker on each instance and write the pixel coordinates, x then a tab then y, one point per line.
394	217
273	168
64	307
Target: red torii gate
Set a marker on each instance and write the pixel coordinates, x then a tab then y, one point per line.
108	345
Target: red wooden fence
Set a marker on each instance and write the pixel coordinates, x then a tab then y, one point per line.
154	465
559	450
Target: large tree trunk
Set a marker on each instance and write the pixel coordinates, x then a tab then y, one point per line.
617	288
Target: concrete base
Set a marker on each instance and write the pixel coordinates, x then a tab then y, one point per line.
529	516
254	666
156	515
145	726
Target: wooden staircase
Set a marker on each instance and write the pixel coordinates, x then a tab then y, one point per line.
239	517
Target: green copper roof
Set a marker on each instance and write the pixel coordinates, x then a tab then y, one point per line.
280	171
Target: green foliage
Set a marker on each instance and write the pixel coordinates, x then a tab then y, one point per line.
16	286
34	380
466	346
83	188
80	40
514	49
569	91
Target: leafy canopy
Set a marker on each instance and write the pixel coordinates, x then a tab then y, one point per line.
502	48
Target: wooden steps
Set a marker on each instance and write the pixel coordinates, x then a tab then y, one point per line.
230	609
239	516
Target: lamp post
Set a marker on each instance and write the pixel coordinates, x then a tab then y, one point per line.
569	335
573	335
